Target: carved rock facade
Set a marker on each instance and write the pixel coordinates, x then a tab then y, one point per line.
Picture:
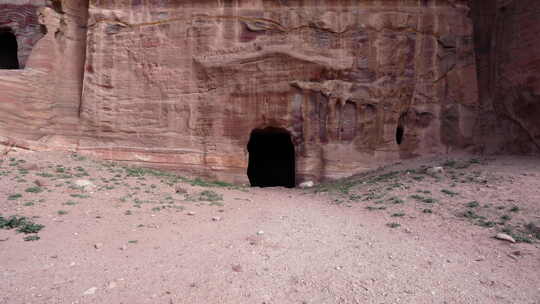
354	84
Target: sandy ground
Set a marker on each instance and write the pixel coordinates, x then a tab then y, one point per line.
395	235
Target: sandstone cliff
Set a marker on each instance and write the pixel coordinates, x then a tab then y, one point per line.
182	84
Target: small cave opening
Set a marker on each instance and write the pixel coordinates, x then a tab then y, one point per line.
271	158
400	129
9	59
399	134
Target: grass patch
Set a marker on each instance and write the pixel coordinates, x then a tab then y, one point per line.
393	225
470	215
427	211
22	224
473	204
448	192
44	174
395	200
427	200
398	214
517	235
76	195
372	208
514	209
210	196
31	238
13	197
533	229
35	189
487	224
62	212
506	217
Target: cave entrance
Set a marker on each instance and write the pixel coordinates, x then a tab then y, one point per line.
399	134
400	129
271	158
8	50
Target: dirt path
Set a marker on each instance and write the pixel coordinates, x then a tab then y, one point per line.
130	238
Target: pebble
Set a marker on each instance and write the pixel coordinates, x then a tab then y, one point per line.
480	258
84	183
260	232
435	170
124	247
237	268
98	245
90	291
505	237
179	189
307	184
191	213
111	285
216	218
40	183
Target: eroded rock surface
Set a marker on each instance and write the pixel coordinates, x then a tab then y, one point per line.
183	84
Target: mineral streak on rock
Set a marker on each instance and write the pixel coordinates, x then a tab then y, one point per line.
182	84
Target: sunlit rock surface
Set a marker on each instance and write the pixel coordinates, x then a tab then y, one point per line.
356	84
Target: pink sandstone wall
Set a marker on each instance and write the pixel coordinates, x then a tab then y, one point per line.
181	84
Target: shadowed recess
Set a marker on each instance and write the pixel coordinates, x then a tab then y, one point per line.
271	158
400	129
8	50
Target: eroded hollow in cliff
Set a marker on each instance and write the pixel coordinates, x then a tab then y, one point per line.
400	129
8	50
399	134
271	158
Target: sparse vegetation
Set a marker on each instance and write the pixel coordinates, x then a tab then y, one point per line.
395	200
393	225
470	214
371	208
533	229
35	189
427	200
473	204
449	192
76	195
506	217
30	238
22	225
15	196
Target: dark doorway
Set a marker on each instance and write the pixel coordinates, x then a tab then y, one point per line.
399	135
400	129
8	50
271	158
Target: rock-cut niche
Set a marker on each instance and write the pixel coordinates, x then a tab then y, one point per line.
9	59
271	158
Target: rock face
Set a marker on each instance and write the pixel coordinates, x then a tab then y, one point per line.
506	34
353	84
